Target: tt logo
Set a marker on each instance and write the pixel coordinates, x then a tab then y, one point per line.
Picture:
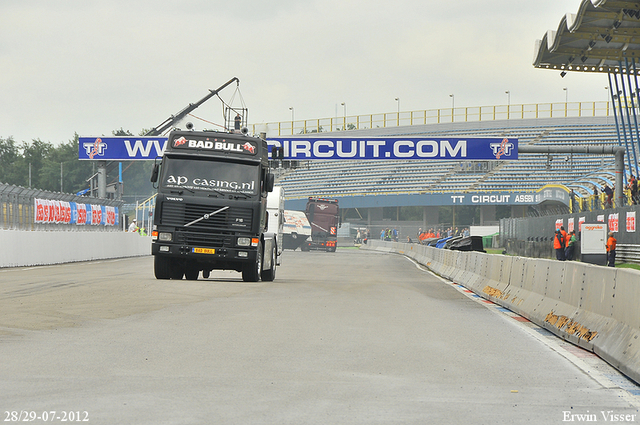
95	148
500	149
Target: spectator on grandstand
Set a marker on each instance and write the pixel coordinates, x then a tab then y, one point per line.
633	187
596	200
609	201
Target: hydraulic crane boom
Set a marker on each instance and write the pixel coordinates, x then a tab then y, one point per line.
169	122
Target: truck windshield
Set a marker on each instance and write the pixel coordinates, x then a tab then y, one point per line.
207	176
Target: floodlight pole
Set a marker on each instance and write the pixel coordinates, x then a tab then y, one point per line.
618	151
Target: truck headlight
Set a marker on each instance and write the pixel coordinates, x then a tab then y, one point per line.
165	236
244	241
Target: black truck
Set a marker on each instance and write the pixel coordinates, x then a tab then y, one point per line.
211	207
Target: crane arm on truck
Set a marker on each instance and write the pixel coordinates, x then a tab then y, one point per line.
169	122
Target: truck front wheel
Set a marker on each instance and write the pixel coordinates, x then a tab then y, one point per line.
191	273
162	267
251	272
270	274
166	268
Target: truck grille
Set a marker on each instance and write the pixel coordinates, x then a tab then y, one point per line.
203	239
179	214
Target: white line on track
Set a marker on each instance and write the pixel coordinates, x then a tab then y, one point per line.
551	341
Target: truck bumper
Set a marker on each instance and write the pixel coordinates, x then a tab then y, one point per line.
210	256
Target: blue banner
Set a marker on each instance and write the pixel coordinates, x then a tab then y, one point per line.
300	148
393	148
121	148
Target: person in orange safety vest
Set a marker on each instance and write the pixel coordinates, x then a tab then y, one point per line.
611	250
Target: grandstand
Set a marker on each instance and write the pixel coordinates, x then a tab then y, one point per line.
365	178
602	37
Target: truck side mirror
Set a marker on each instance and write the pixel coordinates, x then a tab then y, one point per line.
154	173
270	182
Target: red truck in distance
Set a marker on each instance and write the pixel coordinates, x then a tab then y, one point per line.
324	217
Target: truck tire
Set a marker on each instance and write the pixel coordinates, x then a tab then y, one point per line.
162	267
166	268
251	272
177	270
269	275
191	273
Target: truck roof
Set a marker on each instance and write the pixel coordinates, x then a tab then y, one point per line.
315	199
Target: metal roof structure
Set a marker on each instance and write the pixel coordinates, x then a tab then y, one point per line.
604	36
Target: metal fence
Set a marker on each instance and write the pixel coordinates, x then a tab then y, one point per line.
533	237
436	116
18	210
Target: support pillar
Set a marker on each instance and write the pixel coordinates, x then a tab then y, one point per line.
102	179
430	217
487	214
518	211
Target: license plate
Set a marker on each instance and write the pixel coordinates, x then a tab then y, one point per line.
203	250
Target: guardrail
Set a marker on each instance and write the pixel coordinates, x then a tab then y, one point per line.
590	306
19	210
436	116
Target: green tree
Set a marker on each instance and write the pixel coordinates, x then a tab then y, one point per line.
9	155
64	158
33	157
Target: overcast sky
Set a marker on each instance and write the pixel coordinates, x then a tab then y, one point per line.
92	67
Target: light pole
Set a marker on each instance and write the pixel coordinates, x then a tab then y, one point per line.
508	93
344	111
566	101
292	119
453	105
398	101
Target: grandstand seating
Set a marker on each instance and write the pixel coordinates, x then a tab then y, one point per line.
532	171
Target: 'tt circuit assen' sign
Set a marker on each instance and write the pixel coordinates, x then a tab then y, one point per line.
393	148
397	148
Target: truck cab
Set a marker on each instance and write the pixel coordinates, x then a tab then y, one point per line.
211	207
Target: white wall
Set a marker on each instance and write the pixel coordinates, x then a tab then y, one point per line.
25	248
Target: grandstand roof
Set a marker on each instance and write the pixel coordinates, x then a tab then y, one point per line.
597	39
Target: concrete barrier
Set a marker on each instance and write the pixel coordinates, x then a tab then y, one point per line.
591	306
25	248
